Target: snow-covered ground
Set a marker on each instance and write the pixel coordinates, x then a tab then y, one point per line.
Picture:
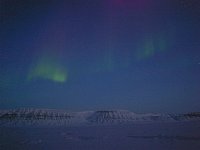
42	129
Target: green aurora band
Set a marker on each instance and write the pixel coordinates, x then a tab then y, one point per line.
48	69
150	47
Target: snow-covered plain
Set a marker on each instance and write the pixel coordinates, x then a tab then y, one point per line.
44	129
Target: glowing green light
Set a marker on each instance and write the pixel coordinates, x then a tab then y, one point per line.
162	44
147	50
48	69
150	47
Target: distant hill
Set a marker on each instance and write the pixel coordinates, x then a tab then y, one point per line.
35	117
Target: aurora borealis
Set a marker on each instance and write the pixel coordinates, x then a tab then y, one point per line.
141	55
48	69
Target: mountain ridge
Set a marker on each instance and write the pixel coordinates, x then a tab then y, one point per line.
30	116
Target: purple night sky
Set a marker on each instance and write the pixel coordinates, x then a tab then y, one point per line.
141	55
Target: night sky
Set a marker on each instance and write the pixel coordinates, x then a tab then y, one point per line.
140	55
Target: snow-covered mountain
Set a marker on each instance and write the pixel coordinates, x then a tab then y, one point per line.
124	116
60	117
